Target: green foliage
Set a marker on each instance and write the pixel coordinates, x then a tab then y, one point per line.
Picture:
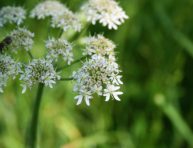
155	51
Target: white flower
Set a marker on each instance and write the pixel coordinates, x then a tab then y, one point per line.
47	8
86	97
107	12
39	71
21	39
59	47
12	15
67	20
116	79
112	90
8	69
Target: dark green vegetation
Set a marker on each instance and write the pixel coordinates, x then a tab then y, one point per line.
155	52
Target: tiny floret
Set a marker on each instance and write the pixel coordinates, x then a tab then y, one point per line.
21	39
12	15
39	71
112	90
107	12
59	48
8	69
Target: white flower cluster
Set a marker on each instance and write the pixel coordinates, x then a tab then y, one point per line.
8	69
39	71
107	12
100	74
47	8
21	39
59	47
61	16
12	15
68	20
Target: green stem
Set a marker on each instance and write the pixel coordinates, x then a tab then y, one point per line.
167	25
32	135
30	54
60	33
176	119
74	62
79	34
66	79
179	123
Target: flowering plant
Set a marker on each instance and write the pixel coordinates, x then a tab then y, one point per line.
100	74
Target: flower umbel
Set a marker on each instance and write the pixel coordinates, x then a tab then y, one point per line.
99	75
107	12
39	71
21	39
8	69
59	47
12	15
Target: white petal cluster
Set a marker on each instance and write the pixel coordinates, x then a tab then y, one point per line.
107	12
61	16
8	69
39	71
21	39
12	15
59	47
68	20
100	74
47	8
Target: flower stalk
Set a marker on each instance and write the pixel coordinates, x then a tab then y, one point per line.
32	133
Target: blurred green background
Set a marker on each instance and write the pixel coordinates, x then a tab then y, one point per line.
155	52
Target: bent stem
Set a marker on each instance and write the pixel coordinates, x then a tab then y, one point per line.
32	133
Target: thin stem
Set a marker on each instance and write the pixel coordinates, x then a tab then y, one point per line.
74	62
60	33
30	54
32	135
66	79
176	119
79	34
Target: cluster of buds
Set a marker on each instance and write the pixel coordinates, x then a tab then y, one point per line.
59	47
39	71
12	15
21	39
